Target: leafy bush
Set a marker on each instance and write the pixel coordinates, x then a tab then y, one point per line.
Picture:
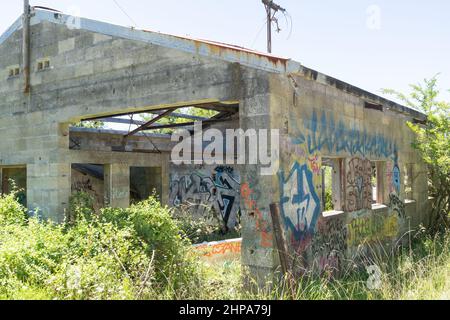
433	143
199	230
11	211
135	253
162	238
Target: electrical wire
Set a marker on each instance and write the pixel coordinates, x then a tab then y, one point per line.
124	12
258	34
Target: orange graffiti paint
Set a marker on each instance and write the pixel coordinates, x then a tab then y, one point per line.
262	226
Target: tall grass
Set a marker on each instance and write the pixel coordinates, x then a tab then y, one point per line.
416	273
141	253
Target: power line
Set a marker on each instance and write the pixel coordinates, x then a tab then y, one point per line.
258	34
123	10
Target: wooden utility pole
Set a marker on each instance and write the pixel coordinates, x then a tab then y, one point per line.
26	45
271	9
279	238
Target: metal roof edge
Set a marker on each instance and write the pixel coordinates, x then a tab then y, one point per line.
212	49
17	25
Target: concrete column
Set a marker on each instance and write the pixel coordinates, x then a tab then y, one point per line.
48	189
165	180
117	185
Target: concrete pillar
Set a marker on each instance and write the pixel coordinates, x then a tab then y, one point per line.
117	185
48	189
165	180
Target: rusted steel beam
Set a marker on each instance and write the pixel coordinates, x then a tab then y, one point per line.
149	123
186	124
209	106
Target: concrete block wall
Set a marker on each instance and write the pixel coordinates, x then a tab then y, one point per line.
117	185
96	75
91	75
317	120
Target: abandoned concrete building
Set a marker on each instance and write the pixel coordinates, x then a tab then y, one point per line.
87	70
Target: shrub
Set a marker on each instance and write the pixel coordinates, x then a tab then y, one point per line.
11	211
135	253
154	225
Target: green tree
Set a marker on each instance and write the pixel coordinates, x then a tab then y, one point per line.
433	141
197	112
90	125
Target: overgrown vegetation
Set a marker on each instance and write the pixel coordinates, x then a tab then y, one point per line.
420	273
140	253
135	253
433	142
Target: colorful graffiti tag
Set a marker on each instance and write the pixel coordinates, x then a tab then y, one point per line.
329	244
358	185
315	164
372	228
218	251
397	205
219	191
335	137
300	205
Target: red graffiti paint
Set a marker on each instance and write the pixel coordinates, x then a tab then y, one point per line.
315	165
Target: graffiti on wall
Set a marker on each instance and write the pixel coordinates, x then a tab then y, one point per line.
329	244
315	164
358	185
300	205
262	225
396	178
220	249
334	136
201	193
372	228
397	205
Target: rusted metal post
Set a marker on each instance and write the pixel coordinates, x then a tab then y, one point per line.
279	237
26	45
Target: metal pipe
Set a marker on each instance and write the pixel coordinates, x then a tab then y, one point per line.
26	45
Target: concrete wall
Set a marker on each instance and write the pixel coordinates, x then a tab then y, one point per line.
91	75
317	119
96	75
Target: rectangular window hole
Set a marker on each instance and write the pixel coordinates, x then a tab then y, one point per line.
373	106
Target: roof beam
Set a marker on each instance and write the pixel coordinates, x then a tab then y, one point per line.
186	124
206	105
149	123
140	122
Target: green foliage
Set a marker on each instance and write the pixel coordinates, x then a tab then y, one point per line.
161	237
329	200
90	124
11	211
328	176
199	230
135	253
81	205
433	141
140	253
197	112
420	273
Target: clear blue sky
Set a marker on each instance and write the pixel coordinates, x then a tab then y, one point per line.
409	41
